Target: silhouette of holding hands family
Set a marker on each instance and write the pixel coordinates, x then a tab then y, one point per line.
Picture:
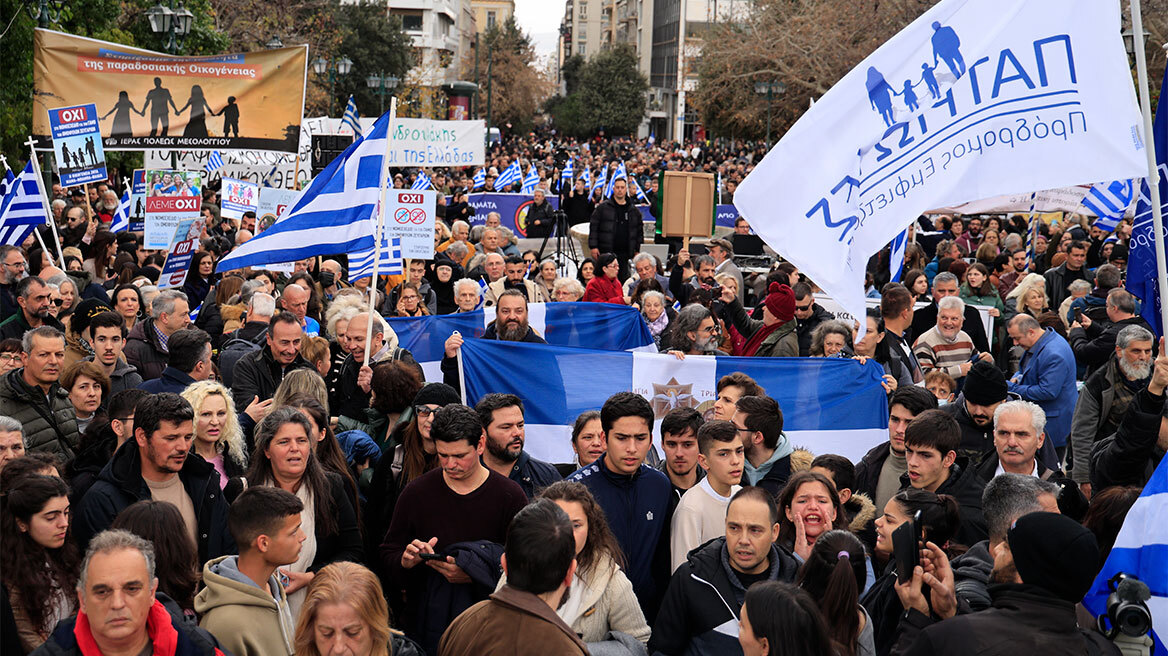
946	48
160	102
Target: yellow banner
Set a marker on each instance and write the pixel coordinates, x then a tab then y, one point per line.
145	99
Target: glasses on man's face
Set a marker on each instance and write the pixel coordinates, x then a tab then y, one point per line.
804	308
58	302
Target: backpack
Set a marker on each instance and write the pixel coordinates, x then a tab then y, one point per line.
235	348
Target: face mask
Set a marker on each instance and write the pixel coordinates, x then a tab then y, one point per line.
327	278
942	402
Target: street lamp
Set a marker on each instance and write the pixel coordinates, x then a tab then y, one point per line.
173	22
1129	42
341	67
770	90
46	12
381	84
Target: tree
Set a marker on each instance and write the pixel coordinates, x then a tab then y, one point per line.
518	86
606	91
377	45
571	72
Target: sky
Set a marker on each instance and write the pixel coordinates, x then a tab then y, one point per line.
541	20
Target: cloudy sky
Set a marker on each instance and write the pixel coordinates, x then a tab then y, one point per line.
541	20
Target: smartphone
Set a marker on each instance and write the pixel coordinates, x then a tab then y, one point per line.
906	546
1079	315
975	356
442	557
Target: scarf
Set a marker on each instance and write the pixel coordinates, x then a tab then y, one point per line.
759	337
659	324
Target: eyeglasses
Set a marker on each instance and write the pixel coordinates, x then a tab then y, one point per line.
4	357
58	302
804	308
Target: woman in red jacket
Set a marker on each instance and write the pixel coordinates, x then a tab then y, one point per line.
605	288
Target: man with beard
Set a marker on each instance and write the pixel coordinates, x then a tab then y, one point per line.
510	325
32	297
502	418
704	268
1093	342
13	269
157	464
1042	569
945	346
694	332
516	279
1106	395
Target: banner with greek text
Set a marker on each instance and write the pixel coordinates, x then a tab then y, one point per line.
172	197
425	142
150	100
974	99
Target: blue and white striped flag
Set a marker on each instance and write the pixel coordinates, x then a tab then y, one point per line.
567	174
618	174
652	138
601	180
531	181
22	208
480	179
1110	202
122	217
1141	550
214	161
482	292
267	180
586	177
509	176
361	263
335	214
422	182
351	118
638	191
896	255
718	191
6	182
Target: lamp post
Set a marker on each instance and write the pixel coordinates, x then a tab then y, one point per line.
381	84
341	67
46	12
173	22
770	90
490	87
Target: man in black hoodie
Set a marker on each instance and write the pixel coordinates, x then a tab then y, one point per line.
808	316
510	325
930	446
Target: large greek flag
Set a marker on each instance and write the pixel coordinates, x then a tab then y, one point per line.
509	176
1141	550
1141	266
830	405
1109	202
335	214
976	98
22	209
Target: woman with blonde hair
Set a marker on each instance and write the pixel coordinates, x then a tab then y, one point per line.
345	612
218	436
1029	296
316	350
301	381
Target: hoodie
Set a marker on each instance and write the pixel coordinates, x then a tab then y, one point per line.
247	620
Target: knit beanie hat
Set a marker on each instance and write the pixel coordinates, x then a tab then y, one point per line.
438	394
1054	552
86	310
985	384
780	301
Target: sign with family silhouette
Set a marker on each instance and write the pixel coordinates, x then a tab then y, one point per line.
77	145
237	197
148	100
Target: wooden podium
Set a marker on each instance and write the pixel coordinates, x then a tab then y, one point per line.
687	205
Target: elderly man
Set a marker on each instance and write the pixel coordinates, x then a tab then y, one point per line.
541	218
515	279
12	271
510	325
330	280
507	240
1093	342
1046	376
723	253
146	344
294	299
356	378
117	609
946	347
1019	433
466	295
260	372
32	395
32	298
459	234
945	284
1131	455
490	268
645	268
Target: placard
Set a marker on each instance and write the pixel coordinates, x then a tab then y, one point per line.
237	197
77	144
688	204
272	206
409	216
138	201
182	249
171	197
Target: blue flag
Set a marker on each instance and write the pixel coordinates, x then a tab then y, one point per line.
214	161
1141	263
22	209
480	179
896	255
352	118
618	174
531	181
600	181
122	217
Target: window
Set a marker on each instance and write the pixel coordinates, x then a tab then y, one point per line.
491	20
580	49
412	22
584	10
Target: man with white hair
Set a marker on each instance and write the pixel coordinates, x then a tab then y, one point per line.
146	344
466	295
645	268
507	240
355	380
945	346
459	234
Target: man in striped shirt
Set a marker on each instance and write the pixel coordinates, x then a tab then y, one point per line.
945	346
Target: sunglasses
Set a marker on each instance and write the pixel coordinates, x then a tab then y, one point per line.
58	302
424	410
804	308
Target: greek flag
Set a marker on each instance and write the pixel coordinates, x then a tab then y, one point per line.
718	185
214	161
831	405
1141	550
6	182
567	174
531	181
600	180
587	178
509	176
361	263
896	255
618	174
22	208
1109	202
652	138
335	214
267	180
351	118
480	178
122	217
482	292
638	191
1141	263
422	182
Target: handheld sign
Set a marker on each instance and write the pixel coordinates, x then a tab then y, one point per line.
77	144
409	216
171	197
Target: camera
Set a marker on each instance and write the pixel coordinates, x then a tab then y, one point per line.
1127	610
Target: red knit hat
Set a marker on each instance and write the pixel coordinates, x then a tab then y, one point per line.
780	301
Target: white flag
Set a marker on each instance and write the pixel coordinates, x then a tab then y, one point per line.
976	98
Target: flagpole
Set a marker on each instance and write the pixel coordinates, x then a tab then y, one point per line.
36	168
380	224
1150	152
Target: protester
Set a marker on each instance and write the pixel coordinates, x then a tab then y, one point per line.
355	379
679	441
834	576
218	436
175	563
776	614
701	513
109	339
510	325
188	361
759	423
32	396
502	419
1131	455
1093	342
775	335
32	300
945	347
11	440
1047	376
146	345
345	612
930	445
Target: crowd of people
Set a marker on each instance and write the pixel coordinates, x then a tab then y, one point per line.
234	467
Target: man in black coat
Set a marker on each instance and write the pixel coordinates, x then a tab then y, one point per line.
1093	342
147	467
510	325
617	228
879	471
808	316
945	284
930	446
1131	455
502	418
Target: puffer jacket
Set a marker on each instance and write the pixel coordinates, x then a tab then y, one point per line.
171	634
616	228
50	424
144	351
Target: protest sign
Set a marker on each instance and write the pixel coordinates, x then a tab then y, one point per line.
409	216
153	100
237	197
77	144
138	201
171	197
178	258
273	205
423	142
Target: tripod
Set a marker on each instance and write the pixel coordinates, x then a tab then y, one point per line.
565	245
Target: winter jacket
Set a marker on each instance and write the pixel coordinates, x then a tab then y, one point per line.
993	299
125	377
616	228
257	375
637	508
533	475
603	289
1071	501
966	485
511	622
15	326
868	470
449	366
248	620
1131	455
884	608
1024	619
782	343
971	575
700	612
144	351
171	634
346	543
50	423
425	293
350	400
1090	422
926	318
804	327
172	380
977	442
1047	377
541	220
1094	345
1056	283
120	484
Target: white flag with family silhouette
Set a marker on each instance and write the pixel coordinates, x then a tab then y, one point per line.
975	98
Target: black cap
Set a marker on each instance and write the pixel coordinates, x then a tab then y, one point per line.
86	310
438	394
985	384
1056	553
